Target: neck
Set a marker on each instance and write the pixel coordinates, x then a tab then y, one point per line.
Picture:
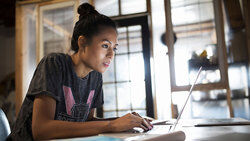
80	67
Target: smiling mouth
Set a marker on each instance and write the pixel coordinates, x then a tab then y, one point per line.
106	64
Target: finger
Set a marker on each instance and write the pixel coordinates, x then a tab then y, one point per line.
148	121
136	114
140	122
143	127
145	123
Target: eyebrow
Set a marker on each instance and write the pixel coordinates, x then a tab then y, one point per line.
109	42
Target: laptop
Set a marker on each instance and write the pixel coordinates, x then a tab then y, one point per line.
162	130
171	122
172	128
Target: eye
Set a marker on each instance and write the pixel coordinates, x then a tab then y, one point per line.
105	46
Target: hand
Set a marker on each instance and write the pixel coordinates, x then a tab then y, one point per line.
129	121
147	120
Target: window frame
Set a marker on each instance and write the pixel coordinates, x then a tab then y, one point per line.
143	21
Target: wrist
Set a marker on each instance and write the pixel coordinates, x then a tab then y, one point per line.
110	126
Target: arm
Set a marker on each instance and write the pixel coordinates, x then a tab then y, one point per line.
44	126
92	118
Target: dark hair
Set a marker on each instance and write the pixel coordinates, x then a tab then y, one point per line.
89	24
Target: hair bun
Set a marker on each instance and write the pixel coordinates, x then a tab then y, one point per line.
85	9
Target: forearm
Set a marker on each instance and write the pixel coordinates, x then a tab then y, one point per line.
54	129
102	119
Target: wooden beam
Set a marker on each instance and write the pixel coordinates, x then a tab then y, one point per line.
18	58
246	5
149	10
170	44
200	87
19	52
170	41
219	24
234	15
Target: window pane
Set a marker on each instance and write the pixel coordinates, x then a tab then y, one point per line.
136	67
107	7
141	112
122	39
109	114
109	76
202	104
123	95
133	6
135	39
209	104
241	108
57	28
185	15
196	43
122	65
182	3
122	113
206	11
83	1
110	97
138	95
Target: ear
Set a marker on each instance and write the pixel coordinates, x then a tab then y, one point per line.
82	42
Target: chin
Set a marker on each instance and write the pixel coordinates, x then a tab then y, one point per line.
101	70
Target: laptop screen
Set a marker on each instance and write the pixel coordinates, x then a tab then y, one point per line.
190	92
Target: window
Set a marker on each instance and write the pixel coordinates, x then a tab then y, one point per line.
198	27
55	27
120	7
194	26
127	83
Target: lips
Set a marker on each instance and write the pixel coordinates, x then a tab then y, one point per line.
106	64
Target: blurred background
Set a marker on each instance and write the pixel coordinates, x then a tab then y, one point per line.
162	44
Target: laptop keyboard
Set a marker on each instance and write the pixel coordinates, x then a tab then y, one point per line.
157	129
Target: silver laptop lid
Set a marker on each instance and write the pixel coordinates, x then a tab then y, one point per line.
182	109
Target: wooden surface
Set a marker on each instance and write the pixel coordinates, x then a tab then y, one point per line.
218	133
19	59
208	133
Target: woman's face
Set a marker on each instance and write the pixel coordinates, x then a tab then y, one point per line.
98	54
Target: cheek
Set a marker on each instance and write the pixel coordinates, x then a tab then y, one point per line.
97	56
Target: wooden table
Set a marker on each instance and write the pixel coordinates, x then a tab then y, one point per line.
205	133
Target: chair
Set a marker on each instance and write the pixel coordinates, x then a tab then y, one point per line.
4	126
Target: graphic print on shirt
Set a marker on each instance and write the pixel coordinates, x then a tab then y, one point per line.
69	99
91	95
75	111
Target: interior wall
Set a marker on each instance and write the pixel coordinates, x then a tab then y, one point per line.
7	69
7	53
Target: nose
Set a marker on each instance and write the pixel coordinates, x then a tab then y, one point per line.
110	53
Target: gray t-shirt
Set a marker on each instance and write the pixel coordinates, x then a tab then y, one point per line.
75	97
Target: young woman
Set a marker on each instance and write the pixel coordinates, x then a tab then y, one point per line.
65	90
